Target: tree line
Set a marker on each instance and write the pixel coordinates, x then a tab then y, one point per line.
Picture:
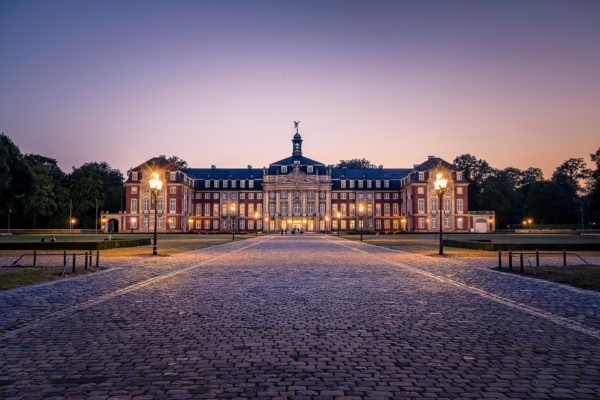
515	195
38	193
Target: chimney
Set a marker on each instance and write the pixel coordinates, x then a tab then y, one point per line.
162	156
249	166
213	166
381	167
430	157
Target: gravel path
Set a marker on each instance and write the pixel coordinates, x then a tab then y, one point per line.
311	317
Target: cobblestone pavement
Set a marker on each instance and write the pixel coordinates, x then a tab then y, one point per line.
309	317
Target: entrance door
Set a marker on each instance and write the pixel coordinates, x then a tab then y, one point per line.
481	226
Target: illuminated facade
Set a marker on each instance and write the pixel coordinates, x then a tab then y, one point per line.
297	192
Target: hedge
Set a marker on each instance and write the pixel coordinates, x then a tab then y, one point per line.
504	246
98	245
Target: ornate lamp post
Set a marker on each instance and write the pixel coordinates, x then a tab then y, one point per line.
338	222
256	223
361	209
155	186
440	187
233	215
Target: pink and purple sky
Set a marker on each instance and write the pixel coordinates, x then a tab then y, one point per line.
514	82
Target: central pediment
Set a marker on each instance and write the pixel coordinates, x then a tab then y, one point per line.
296	178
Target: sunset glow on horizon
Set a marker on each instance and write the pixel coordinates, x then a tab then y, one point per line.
515	83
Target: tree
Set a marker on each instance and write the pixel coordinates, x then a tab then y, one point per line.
177	162
571	172
531	175
355	163
550	203
475	171
91	182
16	179
499	194
49	195
593	186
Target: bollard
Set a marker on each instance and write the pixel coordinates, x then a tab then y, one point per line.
522	263
64	257
510	260
97	258
564	258
34	257
86	260
537	258
74	261
499	259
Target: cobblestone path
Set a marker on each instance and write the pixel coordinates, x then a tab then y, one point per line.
309	317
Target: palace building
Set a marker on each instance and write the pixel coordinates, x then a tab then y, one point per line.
296	192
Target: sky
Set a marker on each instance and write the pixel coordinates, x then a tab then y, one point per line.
516	83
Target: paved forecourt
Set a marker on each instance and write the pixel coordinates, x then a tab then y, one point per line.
300	317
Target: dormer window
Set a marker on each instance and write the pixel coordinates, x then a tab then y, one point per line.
421	176
369	184
309	169
134	176
459	176
207	183
377	183
343	183
352	184
284	169
233	184
242	183
386	184
250	184
225	183
173	175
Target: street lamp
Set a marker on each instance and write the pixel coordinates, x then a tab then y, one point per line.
256	223
103	220
338	222
190	224
361	208
440	186
233	215
72	222
155	186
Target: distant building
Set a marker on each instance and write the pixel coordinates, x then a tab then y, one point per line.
297	192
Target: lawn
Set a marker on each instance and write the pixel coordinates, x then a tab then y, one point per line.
581	276
11	278
428	244
168	244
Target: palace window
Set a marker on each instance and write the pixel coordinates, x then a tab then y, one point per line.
206	209
395	196
378	224
133	189
322	209
159	223
259	196
297	208
283	208
343	184
377	184
447	204
433	205
459	176
224	207
215	224
386	224
225	183
459	190
232	196
447	223
233	182
242	196
215	210
250	224
271	209
146	223
343	224
242	224
334	209
420	190
242	209
133	205
334	224
172	222
369	184
369	209
386	209
173	175
133	223
310	208
310	194
361	196
343	196
352	184
207	224
360	184
421	176
173	189
459	223
396	225
343	209
334	196
296	194
352	209
251	184
146	189
396	208
251	210
459	205
321	195
386	196
352	196
206	184
378	196
309	169
421	222
159	204
242	183
250	196
433	223
284	195
224	196
284	169
386	184
378	209
352	224
134	176
146	205
172	205
421	203
369	196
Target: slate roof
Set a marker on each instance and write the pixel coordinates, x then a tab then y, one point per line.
369	173
224	173
290	161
